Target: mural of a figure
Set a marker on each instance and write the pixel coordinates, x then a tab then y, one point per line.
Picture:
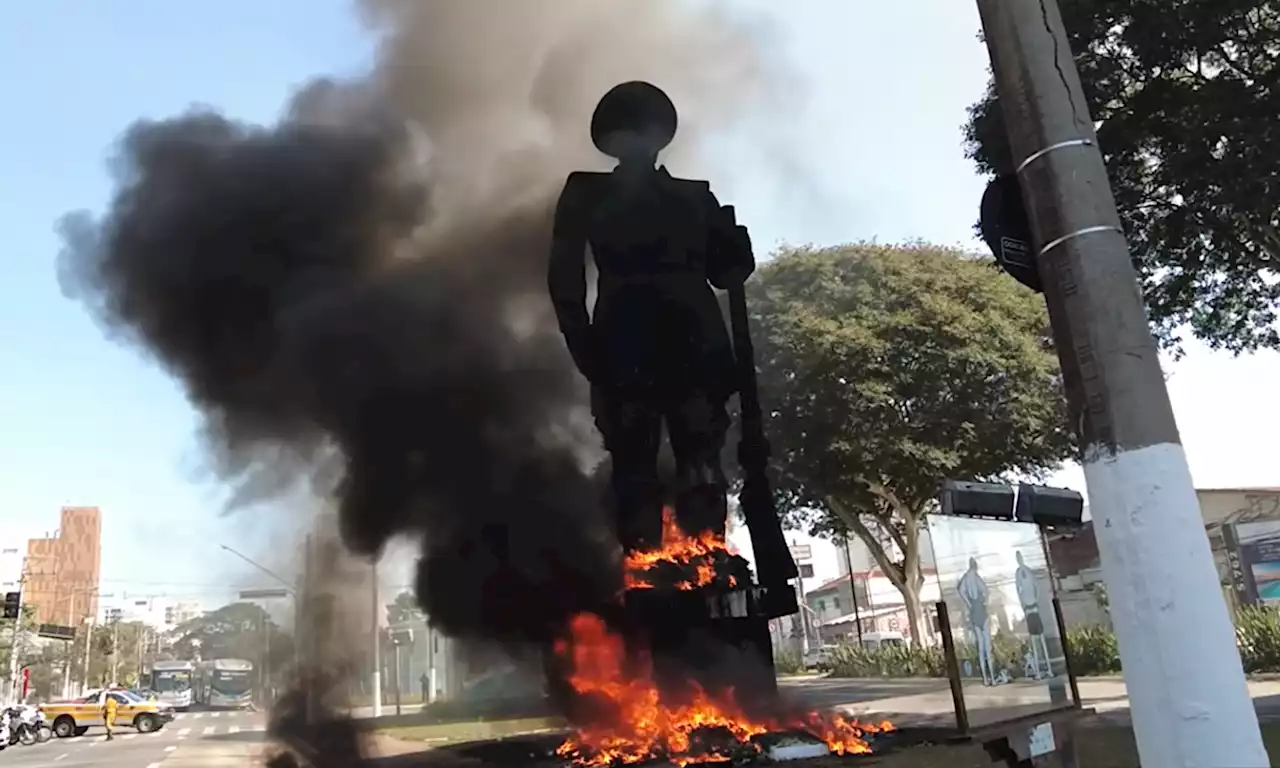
1029	596
974	594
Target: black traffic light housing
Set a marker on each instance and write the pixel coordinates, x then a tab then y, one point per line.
1044	506
961	498
1049	507
12	605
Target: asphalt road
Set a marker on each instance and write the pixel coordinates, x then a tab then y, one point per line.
231	734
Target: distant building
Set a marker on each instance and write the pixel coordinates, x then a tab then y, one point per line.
63	570
879	605
1243	526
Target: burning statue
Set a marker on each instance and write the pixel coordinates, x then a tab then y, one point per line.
682	667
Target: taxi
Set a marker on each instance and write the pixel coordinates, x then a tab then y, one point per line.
76	716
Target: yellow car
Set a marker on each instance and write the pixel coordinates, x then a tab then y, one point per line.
74	718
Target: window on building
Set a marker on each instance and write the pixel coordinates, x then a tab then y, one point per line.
822	605
835	603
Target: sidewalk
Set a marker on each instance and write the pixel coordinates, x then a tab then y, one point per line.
1108	696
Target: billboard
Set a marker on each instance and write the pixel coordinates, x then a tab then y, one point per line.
1253	557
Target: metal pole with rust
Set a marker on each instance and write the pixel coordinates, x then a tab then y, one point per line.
1187	692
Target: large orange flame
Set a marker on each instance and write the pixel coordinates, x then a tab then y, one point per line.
635	724
696	553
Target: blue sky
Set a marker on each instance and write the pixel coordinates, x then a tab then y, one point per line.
85	421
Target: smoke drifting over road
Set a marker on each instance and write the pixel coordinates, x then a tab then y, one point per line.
361	285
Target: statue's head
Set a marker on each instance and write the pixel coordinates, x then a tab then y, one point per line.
634	121
1018	556
973	563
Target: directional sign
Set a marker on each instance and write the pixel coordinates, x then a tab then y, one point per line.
56	632
262	594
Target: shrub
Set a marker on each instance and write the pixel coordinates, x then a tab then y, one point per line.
788	663
849	660
1258	638
1094	650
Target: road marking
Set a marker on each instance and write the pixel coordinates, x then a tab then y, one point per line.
209	731
154	765
62	756
233	729
171	747
182	733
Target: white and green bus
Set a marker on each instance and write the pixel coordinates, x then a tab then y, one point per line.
224	683
171	681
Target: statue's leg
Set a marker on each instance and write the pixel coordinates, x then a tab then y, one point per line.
632	430
697	425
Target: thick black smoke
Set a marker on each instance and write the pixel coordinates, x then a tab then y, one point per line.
363	284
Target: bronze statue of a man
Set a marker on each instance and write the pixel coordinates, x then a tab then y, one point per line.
655	349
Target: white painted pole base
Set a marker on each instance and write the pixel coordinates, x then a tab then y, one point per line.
377	694
1187	692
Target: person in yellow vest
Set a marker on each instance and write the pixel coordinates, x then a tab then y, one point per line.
109	706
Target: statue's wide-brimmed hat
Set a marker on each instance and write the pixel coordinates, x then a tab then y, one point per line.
635	106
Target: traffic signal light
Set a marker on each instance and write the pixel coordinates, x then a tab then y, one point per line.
12	605
1052	507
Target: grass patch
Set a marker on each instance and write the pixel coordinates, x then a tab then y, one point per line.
445	733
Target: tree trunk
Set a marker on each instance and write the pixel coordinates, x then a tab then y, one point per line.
912	580
915	616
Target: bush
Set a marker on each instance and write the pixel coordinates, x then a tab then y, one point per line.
788	663
1258	638
848	660
1094	650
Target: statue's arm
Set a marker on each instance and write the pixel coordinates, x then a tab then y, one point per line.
730	260
567	270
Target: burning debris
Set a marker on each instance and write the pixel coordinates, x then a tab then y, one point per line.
685	562
631	714
637	721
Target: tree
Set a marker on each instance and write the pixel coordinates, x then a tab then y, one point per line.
1186	92
403	608
234	631
889	369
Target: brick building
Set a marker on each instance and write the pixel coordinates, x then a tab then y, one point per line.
62	570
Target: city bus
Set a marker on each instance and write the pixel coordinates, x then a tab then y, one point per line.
171	681
224	683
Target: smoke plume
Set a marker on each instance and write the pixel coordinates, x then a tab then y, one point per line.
355	294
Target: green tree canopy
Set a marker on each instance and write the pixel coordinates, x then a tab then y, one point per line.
403	608
889	369
238	631
1187	93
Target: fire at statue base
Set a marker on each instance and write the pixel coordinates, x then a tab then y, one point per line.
682	672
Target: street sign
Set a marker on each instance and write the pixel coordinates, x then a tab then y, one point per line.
801	552
1006	230
262	594
56	632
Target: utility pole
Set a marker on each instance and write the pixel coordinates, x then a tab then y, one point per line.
853	587
88	647
377	644
115	650
1189	701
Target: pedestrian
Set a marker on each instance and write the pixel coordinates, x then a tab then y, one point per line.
109	706
426	681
